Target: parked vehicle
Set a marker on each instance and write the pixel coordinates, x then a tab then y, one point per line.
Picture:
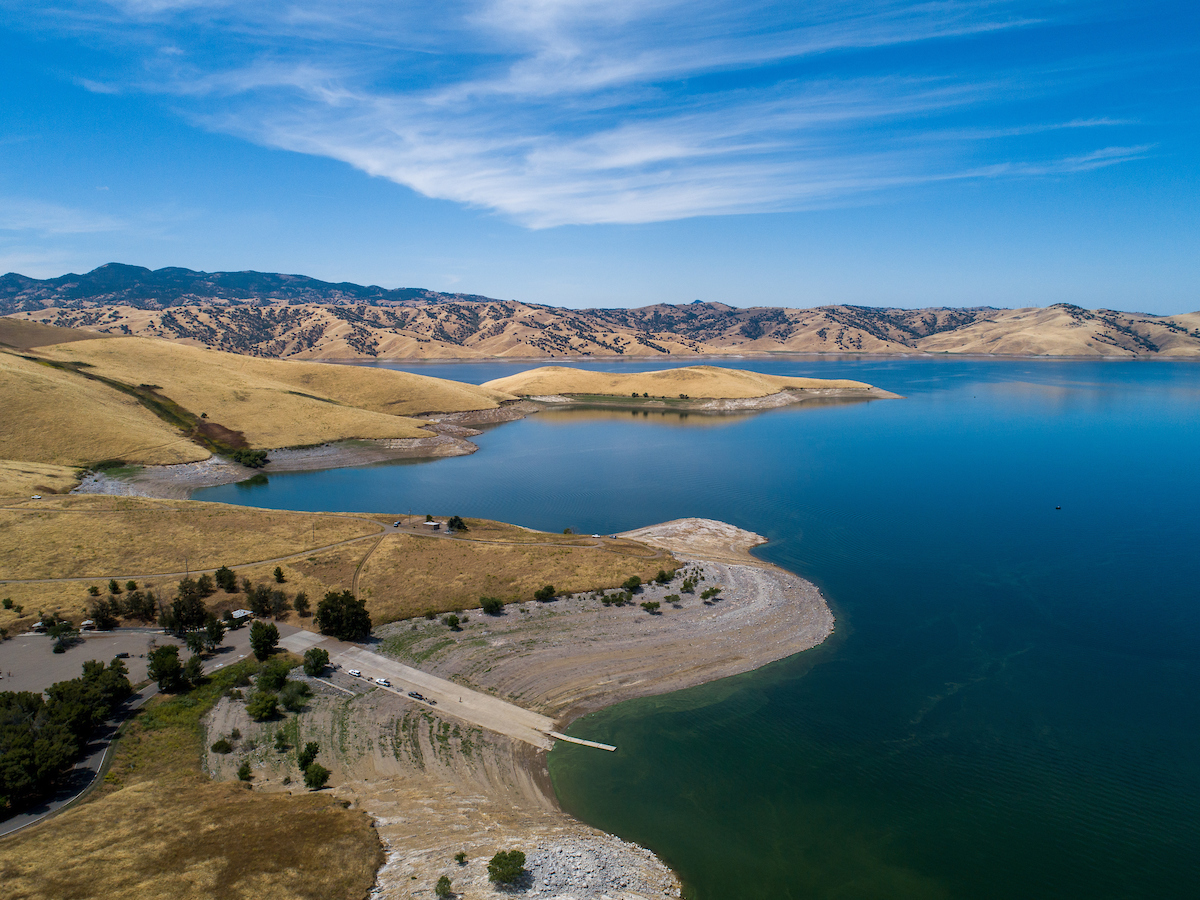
355	673
383	682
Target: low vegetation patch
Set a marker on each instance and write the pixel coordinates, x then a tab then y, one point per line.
159	827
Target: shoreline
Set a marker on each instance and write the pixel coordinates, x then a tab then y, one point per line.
435	785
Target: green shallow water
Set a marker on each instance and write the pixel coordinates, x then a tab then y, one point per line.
1008	706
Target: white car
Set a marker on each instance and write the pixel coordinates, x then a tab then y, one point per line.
355	673
383	682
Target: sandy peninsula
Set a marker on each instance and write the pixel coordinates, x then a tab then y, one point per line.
437	786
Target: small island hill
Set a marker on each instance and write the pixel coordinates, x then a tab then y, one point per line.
705	388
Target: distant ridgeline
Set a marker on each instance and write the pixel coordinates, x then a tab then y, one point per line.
264	314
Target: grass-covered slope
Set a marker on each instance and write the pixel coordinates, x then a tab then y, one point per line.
697	382
153	402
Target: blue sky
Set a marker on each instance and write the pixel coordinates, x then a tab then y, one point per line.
616	153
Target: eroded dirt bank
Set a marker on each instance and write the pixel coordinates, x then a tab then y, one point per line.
437	787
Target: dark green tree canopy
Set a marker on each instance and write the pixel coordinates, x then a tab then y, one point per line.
343	616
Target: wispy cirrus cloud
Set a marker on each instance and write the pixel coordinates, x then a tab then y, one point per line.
560	112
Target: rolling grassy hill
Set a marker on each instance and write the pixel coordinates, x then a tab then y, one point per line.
698	382
146	401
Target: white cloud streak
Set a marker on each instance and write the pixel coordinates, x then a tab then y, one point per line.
556	112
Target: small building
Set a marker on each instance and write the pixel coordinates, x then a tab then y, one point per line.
241	615
87	625
433	526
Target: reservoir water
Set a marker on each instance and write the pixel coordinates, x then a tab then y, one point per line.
1009	705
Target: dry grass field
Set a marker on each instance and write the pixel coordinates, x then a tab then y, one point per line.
57	417
276	403
407	576
96	538
699	382
20	334
159	827
23	479
87	535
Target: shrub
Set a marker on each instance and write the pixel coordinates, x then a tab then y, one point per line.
651	606
113	587
262	706
672	598
316	776
460	858
131	585
664	577
93	590
709	593
442	888
506	866
493	606
451	621
279	576
222	746
544	594
244	772
300	604
251	459
315	661
294	695
236	734
281	741
632	583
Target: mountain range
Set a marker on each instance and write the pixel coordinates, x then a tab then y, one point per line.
274	315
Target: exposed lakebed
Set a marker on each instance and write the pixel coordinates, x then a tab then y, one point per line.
1008	705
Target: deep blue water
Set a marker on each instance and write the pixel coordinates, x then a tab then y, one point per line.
1009	704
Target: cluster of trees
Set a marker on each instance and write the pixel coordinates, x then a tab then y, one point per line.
315	775
456	523
343	616
40	737
493	606
251	459
544	594
616	598
275	689
172	674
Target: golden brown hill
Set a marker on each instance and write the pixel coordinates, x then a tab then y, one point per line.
697	382
21	334
61	418
274	403
487	328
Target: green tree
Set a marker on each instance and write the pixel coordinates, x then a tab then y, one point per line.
278	573
281	741
214	632
104	614
316	776
264	638
451	622
165	668
193	670
131	585
274	675
205	586
632	583
262	706
493	606
456	523
664	577
113	587
343	616
222	746
506	867
306	757
300	604
195	640
226	580
315	661
442	888
244	772
460	858
94	591
544	594
651	606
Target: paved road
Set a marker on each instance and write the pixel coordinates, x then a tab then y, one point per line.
473	707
